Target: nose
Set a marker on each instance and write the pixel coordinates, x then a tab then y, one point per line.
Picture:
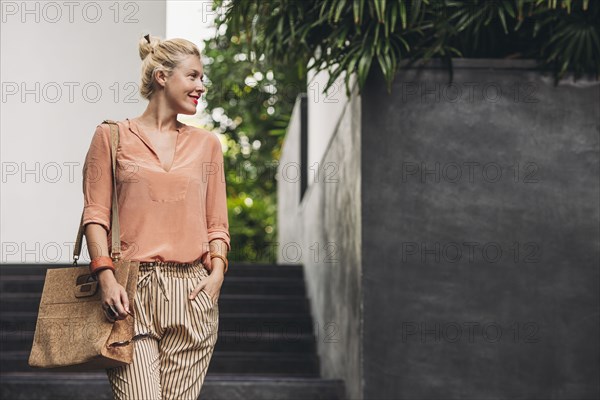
200	83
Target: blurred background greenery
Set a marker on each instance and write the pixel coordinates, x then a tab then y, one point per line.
249	103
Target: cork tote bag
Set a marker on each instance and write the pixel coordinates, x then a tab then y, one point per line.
72	332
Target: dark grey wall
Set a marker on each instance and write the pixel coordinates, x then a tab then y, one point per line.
323	233
431	325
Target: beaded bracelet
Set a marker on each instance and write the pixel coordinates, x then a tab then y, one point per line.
215	255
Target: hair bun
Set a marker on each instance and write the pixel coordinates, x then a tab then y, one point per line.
147	45
168	54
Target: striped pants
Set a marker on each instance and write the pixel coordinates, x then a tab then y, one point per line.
171	363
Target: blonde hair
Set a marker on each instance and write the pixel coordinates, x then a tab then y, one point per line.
162	55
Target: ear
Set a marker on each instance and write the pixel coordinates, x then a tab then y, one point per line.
160	77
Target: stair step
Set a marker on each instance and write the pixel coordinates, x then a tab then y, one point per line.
284	364
266	347
235	269
232	285
227	342
228	303
47	386
242	323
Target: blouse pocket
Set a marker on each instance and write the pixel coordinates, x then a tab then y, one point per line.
167	187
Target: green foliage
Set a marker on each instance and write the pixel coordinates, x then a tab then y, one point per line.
275	39
355	35
250	103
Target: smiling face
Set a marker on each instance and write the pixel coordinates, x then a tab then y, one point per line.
184	86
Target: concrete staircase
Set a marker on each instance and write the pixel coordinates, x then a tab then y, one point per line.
266	347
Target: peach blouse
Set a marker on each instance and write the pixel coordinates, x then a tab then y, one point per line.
163	215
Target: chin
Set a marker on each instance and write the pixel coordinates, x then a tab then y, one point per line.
188	111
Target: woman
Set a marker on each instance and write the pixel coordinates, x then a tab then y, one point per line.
173	219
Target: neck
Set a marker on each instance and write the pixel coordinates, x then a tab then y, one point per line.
159	119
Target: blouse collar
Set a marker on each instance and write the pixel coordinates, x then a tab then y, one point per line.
133	127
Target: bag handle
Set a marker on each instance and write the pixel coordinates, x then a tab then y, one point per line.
116	229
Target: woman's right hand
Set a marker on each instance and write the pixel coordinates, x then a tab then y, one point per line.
113	293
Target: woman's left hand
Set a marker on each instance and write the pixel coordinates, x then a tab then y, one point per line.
211	285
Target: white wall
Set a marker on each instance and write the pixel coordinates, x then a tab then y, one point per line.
324	112
191	19
45	129
194	21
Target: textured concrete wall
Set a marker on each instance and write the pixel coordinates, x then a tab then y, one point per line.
480	235
326	228
325	110
289	228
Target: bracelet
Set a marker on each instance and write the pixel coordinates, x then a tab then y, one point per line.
95	272
100	263
215	255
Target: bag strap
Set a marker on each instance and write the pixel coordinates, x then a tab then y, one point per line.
116	229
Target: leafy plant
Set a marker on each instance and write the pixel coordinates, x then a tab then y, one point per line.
346	36
274	40
249	103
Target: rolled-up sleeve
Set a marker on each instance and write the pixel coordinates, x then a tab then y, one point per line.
216	197
97	180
